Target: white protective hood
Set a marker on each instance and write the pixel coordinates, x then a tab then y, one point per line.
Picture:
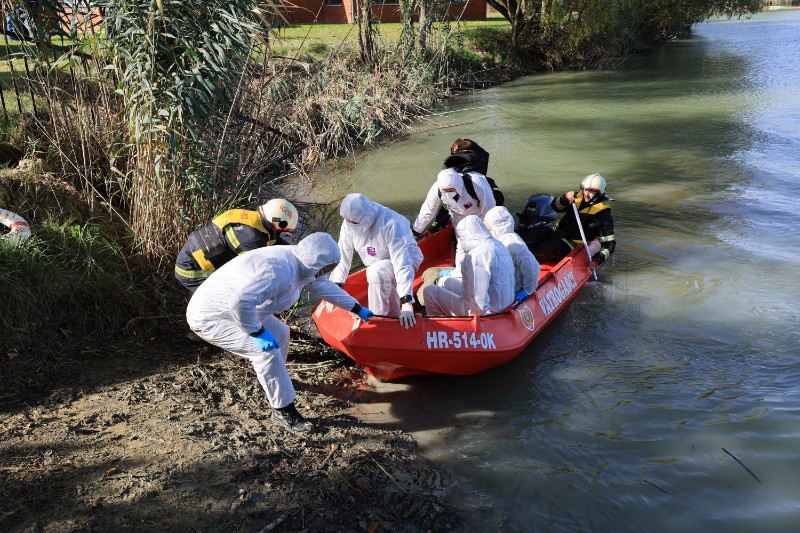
315	252
380	234
451	179
359	208
487	269
471	233
526	267
499	221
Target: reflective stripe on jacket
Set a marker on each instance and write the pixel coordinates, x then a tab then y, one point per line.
213	244
597	224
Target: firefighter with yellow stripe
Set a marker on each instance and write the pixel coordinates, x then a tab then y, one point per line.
230	234
550	245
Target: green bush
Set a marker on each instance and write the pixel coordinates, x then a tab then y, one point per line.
493	43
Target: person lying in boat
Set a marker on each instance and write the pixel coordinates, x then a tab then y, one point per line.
486	281
387	248
230	234
466	157
550	245
500	224
235	310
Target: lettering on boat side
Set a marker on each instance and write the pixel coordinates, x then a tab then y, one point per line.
558	294
459	339
324	306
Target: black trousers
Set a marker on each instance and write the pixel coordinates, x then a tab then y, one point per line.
546	244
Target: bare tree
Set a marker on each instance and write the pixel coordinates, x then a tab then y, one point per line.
366	32
520	15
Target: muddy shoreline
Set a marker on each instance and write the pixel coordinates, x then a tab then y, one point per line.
175	435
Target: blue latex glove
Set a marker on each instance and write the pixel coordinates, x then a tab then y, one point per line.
445	272
521	295
365	314
266	341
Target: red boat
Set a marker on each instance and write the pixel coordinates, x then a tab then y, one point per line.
448	345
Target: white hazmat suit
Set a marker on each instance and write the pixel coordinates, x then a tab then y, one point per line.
243	295
526	268
386	246
487	282
459	203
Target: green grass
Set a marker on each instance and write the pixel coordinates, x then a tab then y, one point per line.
66	280
318	40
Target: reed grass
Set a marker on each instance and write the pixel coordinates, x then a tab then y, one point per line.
134	123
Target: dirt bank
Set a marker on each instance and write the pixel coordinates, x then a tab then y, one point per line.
166	434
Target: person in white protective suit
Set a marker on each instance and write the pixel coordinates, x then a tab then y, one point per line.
387	248
450	191
500	224
487	276
234	310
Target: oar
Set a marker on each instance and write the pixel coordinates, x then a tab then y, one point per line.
583	236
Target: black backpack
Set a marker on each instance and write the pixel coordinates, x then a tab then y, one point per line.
476	159
499	198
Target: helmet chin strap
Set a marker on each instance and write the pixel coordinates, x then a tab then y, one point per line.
594	200
598	197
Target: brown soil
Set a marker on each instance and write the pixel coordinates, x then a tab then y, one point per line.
174	435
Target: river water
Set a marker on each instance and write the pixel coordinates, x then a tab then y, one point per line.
630	411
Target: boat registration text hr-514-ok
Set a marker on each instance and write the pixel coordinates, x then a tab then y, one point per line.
459	339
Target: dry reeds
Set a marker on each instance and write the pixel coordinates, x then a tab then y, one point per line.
164	123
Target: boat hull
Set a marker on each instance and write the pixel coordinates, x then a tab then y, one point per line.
448	345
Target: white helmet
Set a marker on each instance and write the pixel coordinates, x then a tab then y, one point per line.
594	182
280	213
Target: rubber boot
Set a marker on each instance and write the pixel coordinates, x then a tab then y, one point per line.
291	419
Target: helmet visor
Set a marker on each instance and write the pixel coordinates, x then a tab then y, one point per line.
279	224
